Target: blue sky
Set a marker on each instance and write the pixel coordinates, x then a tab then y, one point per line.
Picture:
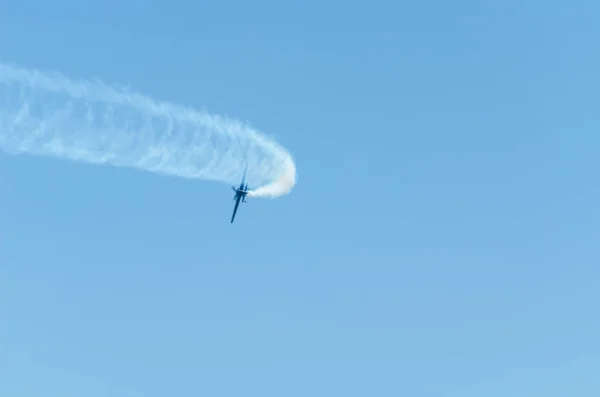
442	239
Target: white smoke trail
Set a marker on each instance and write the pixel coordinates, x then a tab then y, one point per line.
47	114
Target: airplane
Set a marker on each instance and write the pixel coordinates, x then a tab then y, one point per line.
240	194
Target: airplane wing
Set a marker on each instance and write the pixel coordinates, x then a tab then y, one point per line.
244	176
237	202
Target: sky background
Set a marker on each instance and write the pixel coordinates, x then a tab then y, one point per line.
443	238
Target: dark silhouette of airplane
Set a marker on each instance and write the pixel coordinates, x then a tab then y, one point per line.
240	194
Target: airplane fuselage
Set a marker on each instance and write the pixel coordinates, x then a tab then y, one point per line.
240	195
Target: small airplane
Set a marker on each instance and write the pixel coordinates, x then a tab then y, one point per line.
240	194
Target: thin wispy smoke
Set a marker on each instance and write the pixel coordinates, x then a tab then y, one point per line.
48	114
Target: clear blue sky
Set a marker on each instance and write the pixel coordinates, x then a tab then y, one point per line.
443	239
